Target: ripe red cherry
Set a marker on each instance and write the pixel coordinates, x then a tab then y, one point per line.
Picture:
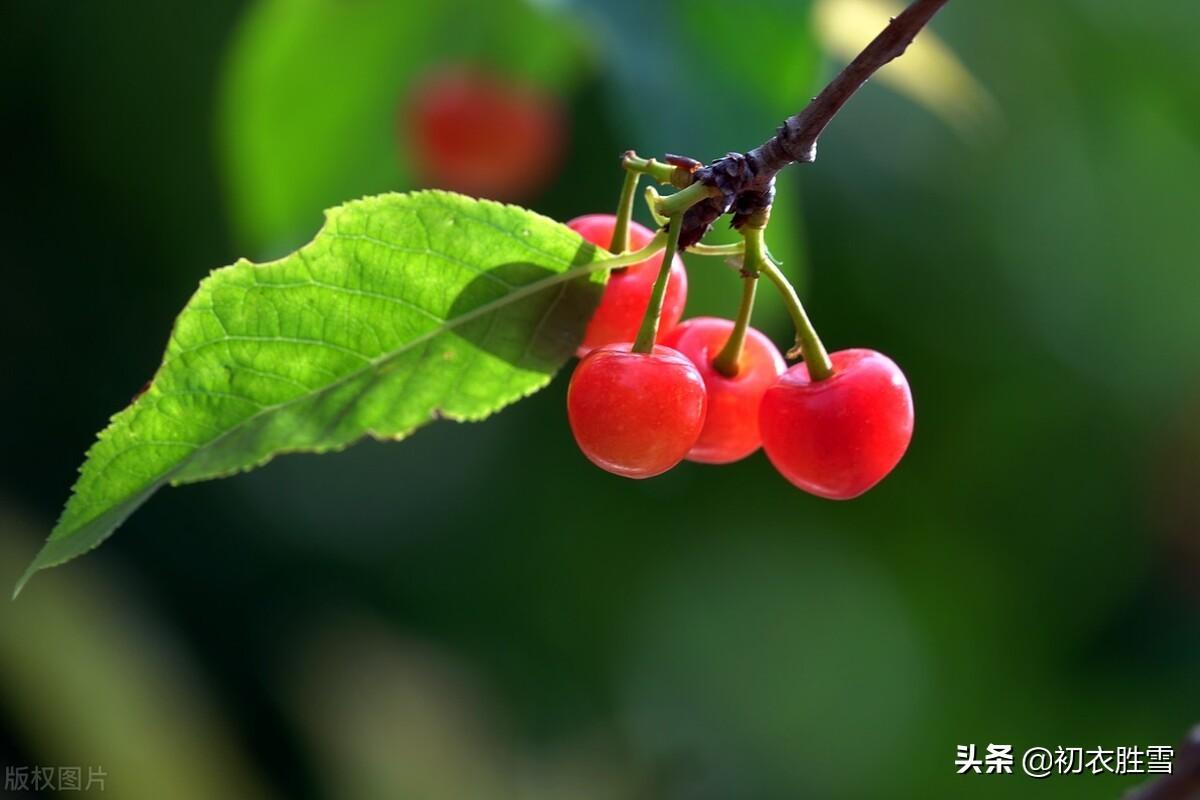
627	294
731	426
478	134
635	414
838	437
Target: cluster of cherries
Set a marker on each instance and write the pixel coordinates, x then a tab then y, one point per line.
833	425
639	414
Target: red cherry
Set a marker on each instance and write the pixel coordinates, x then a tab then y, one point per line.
627	294
838	437
635	414
731	425
478	134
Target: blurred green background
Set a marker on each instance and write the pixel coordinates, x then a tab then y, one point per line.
478	612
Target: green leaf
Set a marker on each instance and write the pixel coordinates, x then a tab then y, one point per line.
404	308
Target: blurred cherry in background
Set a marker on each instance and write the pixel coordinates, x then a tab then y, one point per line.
477	133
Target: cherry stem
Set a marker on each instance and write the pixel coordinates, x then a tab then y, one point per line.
733	249
636	257
808	344
653	198
684	199
728	361
644	343
620	236
660	171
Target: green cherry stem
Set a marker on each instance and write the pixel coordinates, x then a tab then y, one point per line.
653	198
684	199
729	359
620	236
659	171
636	257
808	344
719	250
644	343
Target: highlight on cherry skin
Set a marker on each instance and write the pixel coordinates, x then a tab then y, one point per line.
636	414
730	430
483	135
627	293
838	437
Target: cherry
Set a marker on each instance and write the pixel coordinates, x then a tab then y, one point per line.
627	294
731	426
838	437
635	414
478	134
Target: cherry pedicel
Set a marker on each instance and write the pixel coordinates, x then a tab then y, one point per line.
478	134
730	430
636	414
627	294
838	437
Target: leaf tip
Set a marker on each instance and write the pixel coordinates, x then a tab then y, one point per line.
24	579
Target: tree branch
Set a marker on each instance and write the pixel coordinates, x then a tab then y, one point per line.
797	137
1184	781
747	181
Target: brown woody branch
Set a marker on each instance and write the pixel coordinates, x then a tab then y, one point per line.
747	186
747	181
1184	781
